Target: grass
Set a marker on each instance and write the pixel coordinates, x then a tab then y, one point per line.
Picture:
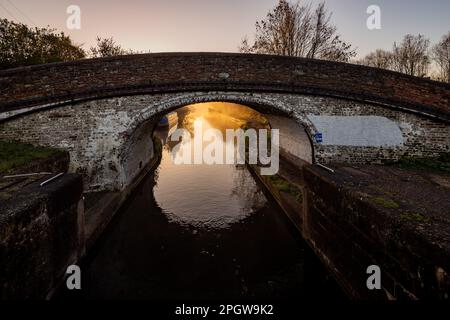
412	216
386	203
15	154
283	185
440	164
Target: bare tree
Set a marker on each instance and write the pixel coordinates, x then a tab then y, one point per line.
379	59
441	55
297	30
244	47
107	47
411	56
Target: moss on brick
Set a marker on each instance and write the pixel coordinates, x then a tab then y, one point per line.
385	202
413	217
283	185
440	164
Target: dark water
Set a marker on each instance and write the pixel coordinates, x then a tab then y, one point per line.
202	232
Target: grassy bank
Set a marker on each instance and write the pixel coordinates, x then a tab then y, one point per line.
282	185
440	164
16	154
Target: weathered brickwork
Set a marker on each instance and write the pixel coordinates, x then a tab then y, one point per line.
109	139
181	72
349	231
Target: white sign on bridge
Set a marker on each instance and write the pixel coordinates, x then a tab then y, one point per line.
358	131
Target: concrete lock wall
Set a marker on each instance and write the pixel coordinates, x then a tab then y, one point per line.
41	233
108	150
349	233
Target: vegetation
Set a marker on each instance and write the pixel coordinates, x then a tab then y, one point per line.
299	30
410	56
441	55
413	217
107	47
378	59
414	57
283	185
14	154
21	45
440	164
386	203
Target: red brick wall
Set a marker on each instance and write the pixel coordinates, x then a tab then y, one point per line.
175	72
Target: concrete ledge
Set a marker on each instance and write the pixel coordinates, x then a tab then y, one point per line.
41	232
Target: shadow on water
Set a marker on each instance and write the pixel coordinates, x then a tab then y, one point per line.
202	232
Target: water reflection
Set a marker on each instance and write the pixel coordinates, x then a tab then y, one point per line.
207	196
201	232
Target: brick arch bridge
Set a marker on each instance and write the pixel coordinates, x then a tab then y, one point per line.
101	109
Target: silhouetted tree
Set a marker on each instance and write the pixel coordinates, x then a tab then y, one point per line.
411	56
441	55
379	59
21	45
107	47
297	30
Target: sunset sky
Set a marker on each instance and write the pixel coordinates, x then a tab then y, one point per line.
219	25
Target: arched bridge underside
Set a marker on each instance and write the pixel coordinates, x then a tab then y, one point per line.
101	110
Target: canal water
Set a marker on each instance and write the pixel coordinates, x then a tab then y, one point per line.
203	232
